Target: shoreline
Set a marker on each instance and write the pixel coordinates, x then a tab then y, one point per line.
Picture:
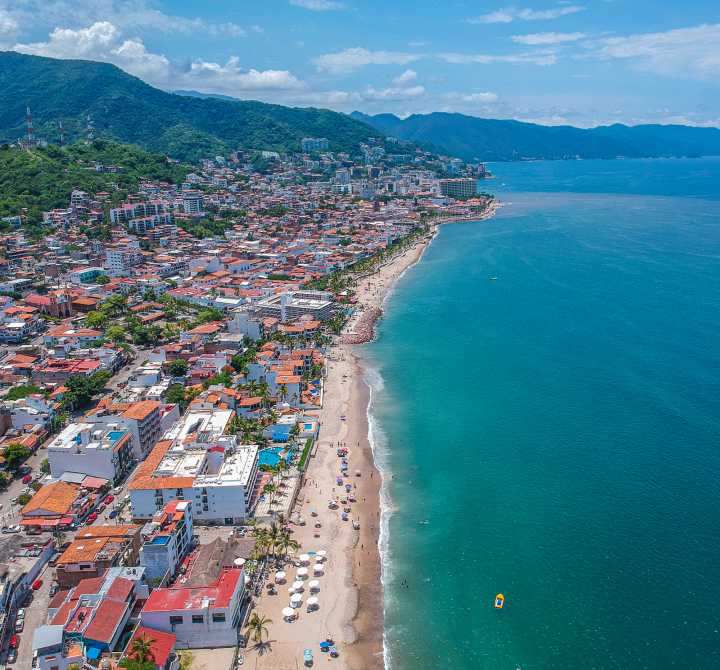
351	589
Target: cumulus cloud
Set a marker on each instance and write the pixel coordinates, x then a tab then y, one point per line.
318	5
103	42
510	14
393	93
535	58
405	78
353	59
473	98
685	52
548	38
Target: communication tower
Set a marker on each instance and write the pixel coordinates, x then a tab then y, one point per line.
31	132
62	137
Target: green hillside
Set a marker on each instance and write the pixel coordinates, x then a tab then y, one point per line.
43	179
475	139
125	109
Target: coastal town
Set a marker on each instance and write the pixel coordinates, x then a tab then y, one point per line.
185	474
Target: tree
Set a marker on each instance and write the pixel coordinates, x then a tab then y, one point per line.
102	280
114	305
96	320
18	392
14	454
283	391
131	664
149	295
178	368
116	334
176	395
142	649
286	543
209	315
45	466
257	627
24	499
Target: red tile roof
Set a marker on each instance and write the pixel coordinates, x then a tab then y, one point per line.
161	647
106	620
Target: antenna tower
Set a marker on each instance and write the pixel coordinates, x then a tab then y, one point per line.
90	135
62	137
31	132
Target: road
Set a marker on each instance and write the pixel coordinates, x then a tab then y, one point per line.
35	616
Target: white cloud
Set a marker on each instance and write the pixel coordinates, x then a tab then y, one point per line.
405	78
474	98
510	14
318	5
548	38
353	59
392	93
684	52
535	58
103	42
9	27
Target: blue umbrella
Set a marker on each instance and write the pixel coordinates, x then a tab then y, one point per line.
345	516
324	645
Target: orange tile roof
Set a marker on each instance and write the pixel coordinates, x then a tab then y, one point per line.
141	410
55	498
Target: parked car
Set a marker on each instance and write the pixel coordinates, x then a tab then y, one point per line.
37	584
25	469
27	489
109	499
19	625
33	531
112	514
27	479
12	656
11	529
20	613
92	517
53	591
117	491
14	642
241	641
14	501
28	600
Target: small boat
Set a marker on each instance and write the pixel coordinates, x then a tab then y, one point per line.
493	278
499	601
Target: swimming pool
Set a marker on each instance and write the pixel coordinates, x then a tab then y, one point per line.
270	456
115	434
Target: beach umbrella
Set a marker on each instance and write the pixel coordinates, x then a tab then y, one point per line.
288	611
296	597
322	552
313	511
291	590
344	516
298	585
312	601
318	567
324	645
279	575
304	557
314	584
357	473
239	561
302	571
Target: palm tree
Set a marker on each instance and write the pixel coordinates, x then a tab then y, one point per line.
273	536
142	648
282	520
283	391
264	391
286	542
257	627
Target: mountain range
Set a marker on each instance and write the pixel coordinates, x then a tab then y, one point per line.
125	109
474	139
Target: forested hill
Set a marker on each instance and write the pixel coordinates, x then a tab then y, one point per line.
125	109
474	139
43	179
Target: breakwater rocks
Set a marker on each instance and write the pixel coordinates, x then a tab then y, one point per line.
364	331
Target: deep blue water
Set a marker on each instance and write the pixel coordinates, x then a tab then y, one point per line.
564	424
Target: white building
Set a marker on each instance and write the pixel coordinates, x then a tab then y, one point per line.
192	202
198	462
121	260
166	539
293	304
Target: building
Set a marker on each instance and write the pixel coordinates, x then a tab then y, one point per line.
121	260
51	504
103	451
315	144
293	304
166	539
32	410
142	225
163	648
134	210
143	419
204	613
456	188
192	202
94	550
86	276
198	462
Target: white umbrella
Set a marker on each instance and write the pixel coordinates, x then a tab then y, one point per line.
302	571
280	575
317	567
314	584
297	585
239	561
312	601
291	589
296	597
304	557
322	552
247	579
288	611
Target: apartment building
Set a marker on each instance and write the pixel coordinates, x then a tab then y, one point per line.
294	304
142	418
456	188
166	539
135	210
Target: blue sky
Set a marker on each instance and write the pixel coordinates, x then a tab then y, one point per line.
574	62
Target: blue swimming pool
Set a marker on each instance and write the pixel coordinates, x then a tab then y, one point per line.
115	434
270	456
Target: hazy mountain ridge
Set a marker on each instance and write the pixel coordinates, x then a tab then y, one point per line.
473	138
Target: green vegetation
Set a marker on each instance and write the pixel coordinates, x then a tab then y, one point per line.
42	179
82	389
45	466
24	499
125	109
18	392
14	454
178	368
305	453
280	277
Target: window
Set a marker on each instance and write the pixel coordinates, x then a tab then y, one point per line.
197	618
175	620
219	618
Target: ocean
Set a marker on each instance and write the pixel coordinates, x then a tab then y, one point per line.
553	435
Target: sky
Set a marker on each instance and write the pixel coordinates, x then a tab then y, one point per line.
551	62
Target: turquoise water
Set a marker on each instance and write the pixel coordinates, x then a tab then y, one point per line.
564	424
